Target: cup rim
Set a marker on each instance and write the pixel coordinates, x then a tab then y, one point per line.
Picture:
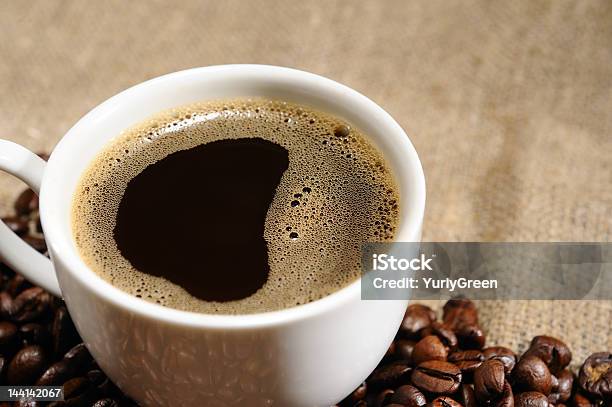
62	248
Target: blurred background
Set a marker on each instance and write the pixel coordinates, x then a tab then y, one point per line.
508	103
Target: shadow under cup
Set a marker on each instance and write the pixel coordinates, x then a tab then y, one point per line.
313	354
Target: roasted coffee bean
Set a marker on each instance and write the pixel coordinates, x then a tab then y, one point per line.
580	400
31	304
3	363
504	355
9	339
389	376
489	380
595	375
17	224
105	403
460	312
37	243
78	356
552	351
56	374
417	317
358	394
390	353
506	399
26	365
75	387
7	306
74	362
429	348
443	332
444	401
26	203
530	399
562	391
532	374
404	348
34	334
408	396
97	377
470	337
16	285
466	396
437	377
466	360
63	332
28	403
383	398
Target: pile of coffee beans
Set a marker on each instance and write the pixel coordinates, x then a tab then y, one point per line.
430	363
446	364
39	344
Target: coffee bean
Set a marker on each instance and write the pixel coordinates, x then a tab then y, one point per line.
530	399
75	387
552	351
383	398
16	285
63	332
37	243
417	317
358	394
404	348
28	403
563	389
444	401
595	375
3	364
460	312
390	351
35	334
105	403
31	304
56	374
429	348
489	380
97	377
78	356
26	365
506	399
467	360
26	203
532	374
504	355
6	305
580	400
74	362
408	396
9	338
467	396
389	376
443	332
470	337
437	377
17	224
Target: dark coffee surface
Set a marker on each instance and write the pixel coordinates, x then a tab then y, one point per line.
230	184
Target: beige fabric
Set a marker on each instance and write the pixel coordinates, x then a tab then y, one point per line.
508	103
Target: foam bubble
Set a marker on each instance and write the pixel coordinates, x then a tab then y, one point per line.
336	194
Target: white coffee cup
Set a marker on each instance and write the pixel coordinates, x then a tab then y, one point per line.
309	355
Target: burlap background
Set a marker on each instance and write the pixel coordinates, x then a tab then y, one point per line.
508	103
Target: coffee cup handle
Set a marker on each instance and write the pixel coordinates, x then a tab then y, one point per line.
17	254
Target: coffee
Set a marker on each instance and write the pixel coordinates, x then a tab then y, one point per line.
235	206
